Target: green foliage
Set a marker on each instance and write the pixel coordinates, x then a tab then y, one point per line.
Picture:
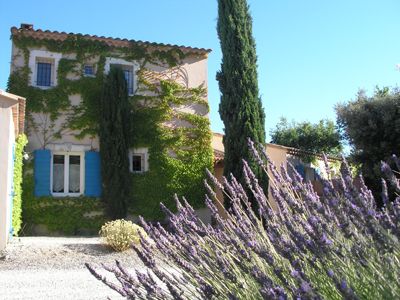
17	184
52	101
321	137
120	234
240	108
67	215
372	127
114	134
182	173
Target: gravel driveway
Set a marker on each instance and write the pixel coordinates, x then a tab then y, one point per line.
53	268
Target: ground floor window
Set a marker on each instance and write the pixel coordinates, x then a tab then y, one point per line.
138	160
67	174
137	163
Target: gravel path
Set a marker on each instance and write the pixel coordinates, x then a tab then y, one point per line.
53	268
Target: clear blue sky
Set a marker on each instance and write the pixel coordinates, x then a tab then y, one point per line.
311	53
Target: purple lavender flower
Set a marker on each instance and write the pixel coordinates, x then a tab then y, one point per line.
305	287
270	253
295	273
330	273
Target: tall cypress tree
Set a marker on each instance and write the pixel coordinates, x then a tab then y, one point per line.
240	107
114	143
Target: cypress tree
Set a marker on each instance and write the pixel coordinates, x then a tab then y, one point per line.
114	143
240	107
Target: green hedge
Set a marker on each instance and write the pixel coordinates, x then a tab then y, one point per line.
66	215
17	199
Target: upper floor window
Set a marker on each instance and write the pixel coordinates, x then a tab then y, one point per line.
128	73
129	69
43	65
88	70
43	73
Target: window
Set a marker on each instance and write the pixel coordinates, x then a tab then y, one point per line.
43	66
128	67
67	174
88	70
138	160
310	174
43	74
128	73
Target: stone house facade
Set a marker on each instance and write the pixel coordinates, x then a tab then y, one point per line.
60	75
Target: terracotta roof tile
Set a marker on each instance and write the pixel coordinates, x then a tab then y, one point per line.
113	42
218	156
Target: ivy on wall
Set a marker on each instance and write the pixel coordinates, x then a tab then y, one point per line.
67	215
17	183
178	155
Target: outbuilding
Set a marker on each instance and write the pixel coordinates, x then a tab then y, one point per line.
12	114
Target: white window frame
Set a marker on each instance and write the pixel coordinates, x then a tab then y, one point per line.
119	61
53	57
143	153
66	173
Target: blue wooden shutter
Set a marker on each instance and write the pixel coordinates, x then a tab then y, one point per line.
301	170
42	161
92	174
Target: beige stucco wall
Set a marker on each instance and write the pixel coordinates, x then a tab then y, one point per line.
280	156
276	153
7	138
219	202
216	142
192	73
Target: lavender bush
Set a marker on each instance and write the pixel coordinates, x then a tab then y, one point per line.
338	246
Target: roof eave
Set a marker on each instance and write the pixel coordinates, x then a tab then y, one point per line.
114	42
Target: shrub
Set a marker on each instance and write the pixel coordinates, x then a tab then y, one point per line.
120	234
337	246
17	198
371	126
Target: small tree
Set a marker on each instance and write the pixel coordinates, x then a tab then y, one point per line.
372	127
114	143
322	137
240	108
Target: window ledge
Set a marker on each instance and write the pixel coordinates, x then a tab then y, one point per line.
64	195
43	87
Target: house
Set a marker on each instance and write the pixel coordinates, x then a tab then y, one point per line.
312	170
61	76
12	114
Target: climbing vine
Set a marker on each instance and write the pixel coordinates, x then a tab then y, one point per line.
17	183
67	215
178	155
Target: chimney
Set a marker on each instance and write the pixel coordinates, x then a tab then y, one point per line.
26	26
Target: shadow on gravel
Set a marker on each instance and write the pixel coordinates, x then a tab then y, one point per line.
89	249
